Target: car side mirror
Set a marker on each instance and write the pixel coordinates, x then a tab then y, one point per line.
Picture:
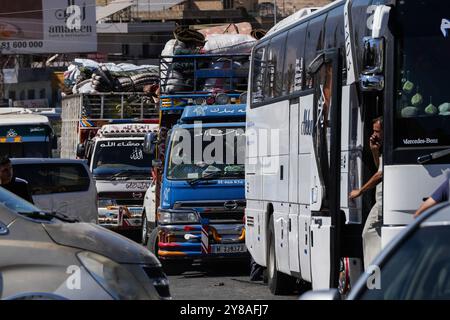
81	150
150	141
330	294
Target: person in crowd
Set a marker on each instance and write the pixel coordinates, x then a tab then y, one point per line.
372	229
438	196
15	185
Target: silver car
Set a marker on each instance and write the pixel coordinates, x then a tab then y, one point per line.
48	256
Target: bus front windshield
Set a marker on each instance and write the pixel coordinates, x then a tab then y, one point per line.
208	152
117	156
423	69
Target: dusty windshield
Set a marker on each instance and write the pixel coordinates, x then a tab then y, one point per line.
114	156
423	97
207	152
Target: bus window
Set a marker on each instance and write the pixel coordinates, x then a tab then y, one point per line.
273	87
314	43
294	67
334	32
259	74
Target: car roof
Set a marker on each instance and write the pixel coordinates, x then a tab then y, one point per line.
46	160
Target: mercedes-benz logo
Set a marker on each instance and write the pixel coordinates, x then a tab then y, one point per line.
231	205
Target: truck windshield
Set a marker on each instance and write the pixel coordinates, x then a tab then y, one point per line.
115	156
218	153
423	98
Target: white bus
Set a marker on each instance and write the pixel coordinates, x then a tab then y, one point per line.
316	85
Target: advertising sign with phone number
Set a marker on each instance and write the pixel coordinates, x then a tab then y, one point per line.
48	26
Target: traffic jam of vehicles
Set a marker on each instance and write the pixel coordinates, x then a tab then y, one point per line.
316	155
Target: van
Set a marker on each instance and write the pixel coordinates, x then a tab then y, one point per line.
60	185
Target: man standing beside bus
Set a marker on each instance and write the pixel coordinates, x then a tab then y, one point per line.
372	229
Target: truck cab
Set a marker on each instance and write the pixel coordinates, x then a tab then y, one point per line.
122	172
201	211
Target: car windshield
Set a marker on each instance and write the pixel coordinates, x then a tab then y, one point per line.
15	203
418	270
423	100
208	152
116	156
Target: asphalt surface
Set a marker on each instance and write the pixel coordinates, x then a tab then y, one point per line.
217	281
221	281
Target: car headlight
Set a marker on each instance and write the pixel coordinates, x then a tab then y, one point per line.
168	217
103	203
222	99
114	278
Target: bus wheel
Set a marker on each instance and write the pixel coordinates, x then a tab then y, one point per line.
279	283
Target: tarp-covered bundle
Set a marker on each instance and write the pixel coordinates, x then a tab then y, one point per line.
177	73
88	76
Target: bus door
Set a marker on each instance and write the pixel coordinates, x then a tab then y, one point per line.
326	71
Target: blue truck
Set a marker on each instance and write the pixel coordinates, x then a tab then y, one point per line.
200	190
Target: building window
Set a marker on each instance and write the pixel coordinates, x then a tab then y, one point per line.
31	94
12	95
42	94
228	4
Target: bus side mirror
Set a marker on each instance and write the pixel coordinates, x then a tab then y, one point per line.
150	140
81	150
372	77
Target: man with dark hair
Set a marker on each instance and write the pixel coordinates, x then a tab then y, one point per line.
372	229
9	182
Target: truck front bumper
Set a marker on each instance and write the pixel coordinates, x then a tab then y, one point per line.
195	241
120	217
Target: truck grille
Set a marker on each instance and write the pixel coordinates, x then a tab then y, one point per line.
124	198
216	211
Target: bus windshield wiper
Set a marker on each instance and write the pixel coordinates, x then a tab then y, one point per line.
435	155
45	215
205	177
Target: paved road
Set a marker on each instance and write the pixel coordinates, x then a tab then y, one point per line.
224	281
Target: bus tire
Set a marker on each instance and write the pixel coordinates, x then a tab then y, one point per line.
278	282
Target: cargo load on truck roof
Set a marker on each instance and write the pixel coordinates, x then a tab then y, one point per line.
88	76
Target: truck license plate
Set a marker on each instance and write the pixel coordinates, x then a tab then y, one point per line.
228	248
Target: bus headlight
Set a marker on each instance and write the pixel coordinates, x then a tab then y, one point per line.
114	278
169	217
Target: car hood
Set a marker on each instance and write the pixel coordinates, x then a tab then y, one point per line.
90	237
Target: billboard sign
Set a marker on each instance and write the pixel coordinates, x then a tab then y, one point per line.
48	26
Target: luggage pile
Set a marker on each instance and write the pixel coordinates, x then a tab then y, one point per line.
177	68
88	76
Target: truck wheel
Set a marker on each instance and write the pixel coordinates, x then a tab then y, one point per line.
144	232
152	242
279	283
